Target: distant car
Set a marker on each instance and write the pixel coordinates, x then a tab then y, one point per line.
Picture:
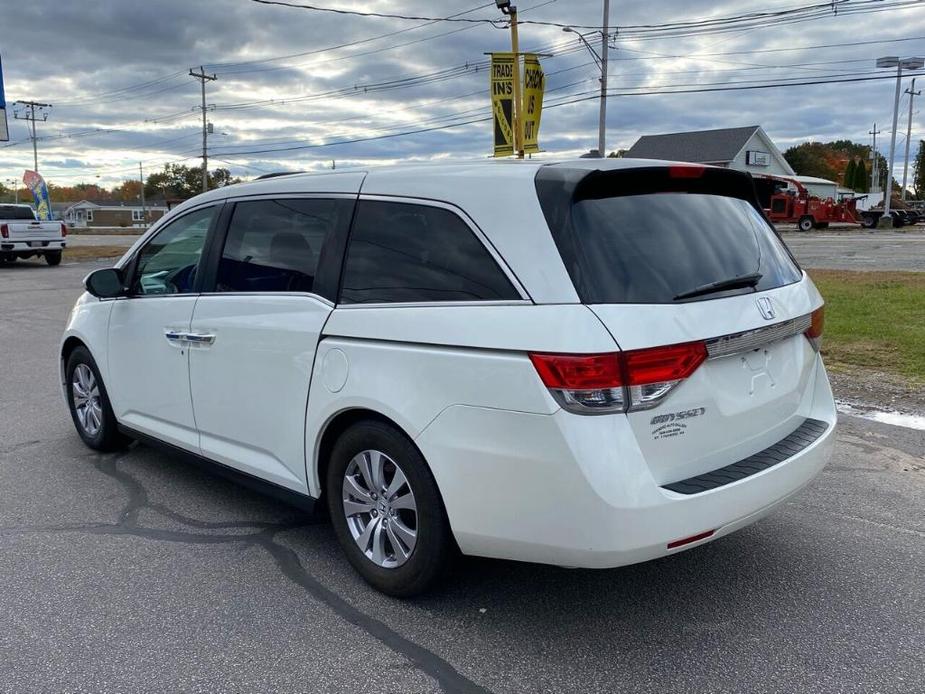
585	363
23	236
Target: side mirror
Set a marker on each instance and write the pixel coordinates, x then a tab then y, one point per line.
107	283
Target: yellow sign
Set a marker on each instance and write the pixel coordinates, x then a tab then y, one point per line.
534	88
502	102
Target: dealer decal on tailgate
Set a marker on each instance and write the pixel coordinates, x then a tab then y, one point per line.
670	425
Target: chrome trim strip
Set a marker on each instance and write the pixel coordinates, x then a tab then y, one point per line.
753	339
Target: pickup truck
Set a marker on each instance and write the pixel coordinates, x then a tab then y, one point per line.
23	236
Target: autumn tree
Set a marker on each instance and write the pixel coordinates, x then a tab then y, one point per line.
181	181
811	159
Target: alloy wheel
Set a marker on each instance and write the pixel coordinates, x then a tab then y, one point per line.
380	509
85	393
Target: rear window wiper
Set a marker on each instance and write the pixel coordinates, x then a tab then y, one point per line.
722	285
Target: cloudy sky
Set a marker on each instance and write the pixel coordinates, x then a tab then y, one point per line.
297	89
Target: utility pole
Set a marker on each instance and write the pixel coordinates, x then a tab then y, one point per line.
518	104
912	94
15	185
144	209
875	163
605	47
203	78
31	116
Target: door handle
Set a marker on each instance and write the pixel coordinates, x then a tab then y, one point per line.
200	339
175	337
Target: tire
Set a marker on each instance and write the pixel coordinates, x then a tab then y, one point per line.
79	370
806	224
53	257
401	571
868	221
7	258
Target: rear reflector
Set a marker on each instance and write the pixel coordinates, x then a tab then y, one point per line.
63	230
689	540
619	381
4	231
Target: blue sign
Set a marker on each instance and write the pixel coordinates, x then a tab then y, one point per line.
4	128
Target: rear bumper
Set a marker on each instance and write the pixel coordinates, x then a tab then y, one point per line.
7	246
576	491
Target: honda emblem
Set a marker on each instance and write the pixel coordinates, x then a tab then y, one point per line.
766	308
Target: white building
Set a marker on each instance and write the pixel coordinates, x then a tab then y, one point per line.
745	149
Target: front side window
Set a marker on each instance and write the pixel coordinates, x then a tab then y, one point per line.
399	252
275	245
167	264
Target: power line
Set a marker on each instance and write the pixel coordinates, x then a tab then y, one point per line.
30	116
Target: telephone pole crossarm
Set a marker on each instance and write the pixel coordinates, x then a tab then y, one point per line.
30	115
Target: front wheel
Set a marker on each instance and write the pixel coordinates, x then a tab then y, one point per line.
386	509
89	403
806	223
53	257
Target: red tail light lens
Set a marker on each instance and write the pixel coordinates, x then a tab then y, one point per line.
578	371
658	364
63	229
4	231
618	382
816	326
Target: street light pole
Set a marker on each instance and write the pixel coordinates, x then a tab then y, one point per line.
899	64
912	94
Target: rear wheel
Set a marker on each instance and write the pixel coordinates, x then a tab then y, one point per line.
89	403
806	223
386	509
53	257
868	221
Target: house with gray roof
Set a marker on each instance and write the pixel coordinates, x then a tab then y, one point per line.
745	149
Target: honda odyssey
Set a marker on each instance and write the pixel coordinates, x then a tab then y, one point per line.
584	363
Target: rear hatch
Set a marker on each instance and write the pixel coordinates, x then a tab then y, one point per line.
707	305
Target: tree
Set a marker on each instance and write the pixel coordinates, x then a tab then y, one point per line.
918	176
812	159
861	178
128	191
181	181
850	172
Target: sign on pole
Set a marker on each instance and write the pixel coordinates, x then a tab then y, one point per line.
502	102
36	184
534	88
4	128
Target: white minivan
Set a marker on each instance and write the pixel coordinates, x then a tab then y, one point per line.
585	363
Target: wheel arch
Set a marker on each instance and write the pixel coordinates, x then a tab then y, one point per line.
337	425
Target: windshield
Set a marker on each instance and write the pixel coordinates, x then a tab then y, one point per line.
16	212
667	246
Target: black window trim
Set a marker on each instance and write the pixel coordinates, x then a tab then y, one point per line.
330	259
472	226
130	266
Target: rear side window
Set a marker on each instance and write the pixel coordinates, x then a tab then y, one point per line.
275	245
400	252
641	236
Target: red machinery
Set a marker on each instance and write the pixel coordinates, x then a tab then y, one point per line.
787	200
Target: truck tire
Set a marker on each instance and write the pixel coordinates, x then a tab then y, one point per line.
53	257
806	223
868	221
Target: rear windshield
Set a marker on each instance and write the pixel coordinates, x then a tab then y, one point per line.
16	212
644	236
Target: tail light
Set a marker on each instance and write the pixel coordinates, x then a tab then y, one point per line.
4	231
63	230
814	331
620	381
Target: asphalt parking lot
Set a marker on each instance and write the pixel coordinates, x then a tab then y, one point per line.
859	249
134	572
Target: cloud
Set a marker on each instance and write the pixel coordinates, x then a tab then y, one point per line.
122	94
